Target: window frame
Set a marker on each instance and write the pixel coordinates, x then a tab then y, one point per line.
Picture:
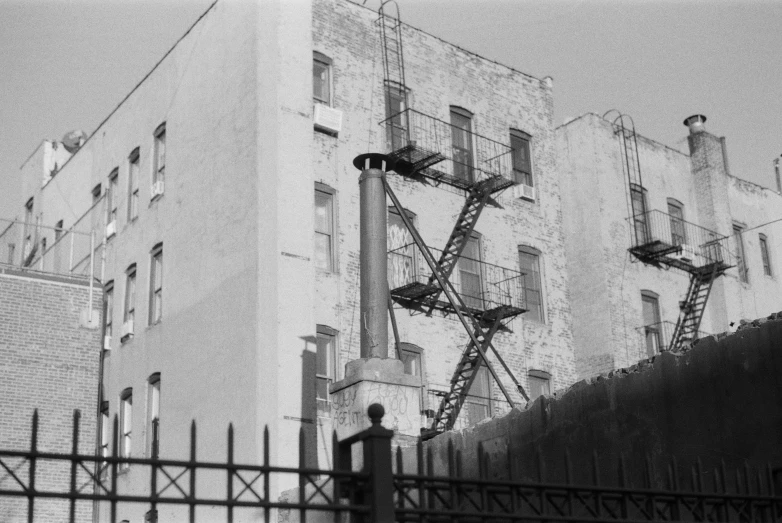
542	376
483	401
473	302
129	309
156	284
105	437
655	328
111	196
324	332
320	59
741	253
643	222
126	426
158	170
526	141
397	129
677	223
532	251
765	255
153	415
392	211
108	307
134	159
331	195
455	111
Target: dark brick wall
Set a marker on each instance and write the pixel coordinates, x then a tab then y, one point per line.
50	363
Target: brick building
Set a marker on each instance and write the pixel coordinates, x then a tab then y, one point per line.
222	194
49	361
630	278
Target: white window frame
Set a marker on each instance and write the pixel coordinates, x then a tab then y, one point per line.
126	426
156	284
326	191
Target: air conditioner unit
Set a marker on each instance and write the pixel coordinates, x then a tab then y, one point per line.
687	253
328	118
524	191
157	188
107	343
127	329
111	228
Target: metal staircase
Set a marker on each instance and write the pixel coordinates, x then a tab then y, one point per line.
481	330
693	306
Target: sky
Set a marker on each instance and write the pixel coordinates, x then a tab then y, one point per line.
65	64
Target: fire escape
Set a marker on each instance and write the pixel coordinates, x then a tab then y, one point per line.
666	240
432	151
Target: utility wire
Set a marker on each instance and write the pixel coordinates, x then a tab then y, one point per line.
761	225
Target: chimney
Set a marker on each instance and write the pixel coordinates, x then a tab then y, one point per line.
695	123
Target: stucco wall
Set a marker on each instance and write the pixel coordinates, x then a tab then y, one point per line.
715	402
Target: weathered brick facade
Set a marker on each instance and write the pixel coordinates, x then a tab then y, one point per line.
48	361
606	281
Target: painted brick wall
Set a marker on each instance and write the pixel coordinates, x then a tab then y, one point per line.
440	74
49	362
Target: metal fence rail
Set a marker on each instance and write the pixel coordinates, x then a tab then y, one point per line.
380	492
661	237
464	157
482	285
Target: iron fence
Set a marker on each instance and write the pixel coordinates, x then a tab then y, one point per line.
665	238
383	491
483	286
464	157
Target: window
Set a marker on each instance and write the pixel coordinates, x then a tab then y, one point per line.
105	429
111	196
529	264
153	415
401	249
461	138
469	280
412	358
96	192
130	301
125	425
764	255
638	201
133	169
321	78
58	233
676	215
741	260
156	285
27	252
325	364
478	401
11	253
108	298
520	157
324	227
159	169
396	119
539	383
652	324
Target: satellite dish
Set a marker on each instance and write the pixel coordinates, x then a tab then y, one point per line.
73	140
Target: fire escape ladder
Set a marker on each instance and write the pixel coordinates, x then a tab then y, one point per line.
480	336
476	200
693	306
393	55
463	378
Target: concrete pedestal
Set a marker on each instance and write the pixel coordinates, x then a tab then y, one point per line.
376	380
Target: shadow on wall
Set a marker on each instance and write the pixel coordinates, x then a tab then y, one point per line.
717	401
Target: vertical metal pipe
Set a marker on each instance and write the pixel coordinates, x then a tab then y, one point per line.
373	256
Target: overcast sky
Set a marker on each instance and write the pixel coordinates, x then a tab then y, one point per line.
66	64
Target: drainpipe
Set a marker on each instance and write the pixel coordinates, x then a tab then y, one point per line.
373	258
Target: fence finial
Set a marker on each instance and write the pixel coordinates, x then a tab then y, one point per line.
376	413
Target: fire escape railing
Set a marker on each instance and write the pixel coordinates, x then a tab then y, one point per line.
665	239
483	286
657	337
445	153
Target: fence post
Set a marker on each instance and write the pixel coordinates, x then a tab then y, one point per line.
377	461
